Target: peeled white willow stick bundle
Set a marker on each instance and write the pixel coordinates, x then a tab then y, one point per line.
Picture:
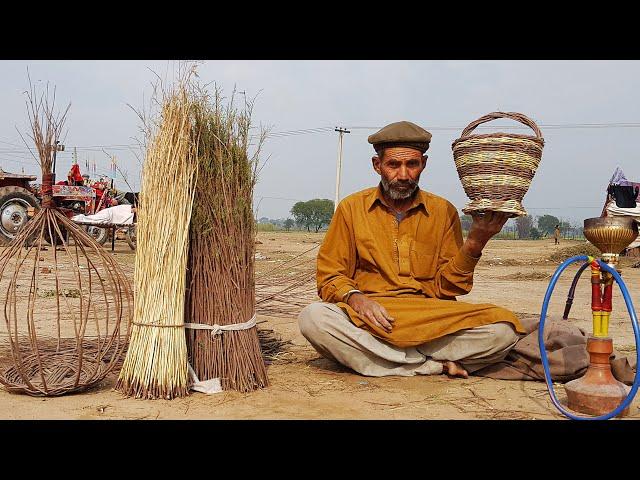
156	361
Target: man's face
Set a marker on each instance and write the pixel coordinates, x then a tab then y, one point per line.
399	170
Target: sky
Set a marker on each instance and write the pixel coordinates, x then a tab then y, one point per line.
588	112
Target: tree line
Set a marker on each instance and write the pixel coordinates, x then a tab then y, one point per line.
530	227
316	214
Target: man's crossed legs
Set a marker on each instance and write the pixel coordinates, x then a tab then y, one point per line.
333	335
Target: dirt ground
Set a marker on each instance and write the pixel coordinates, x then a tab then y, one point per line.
511	273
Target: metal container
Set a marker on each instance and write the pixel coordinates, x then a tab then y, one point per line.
611	235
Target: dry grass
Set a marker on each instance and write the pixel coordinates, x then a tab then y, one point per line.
562	254
526	276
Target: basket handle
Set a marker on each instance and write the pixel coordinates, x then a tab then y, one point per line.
518	117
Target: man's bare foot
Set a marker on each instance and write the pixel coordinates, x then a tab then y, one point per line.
454	370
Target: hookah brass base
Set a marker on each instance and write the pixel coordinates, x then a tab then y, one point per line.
597	392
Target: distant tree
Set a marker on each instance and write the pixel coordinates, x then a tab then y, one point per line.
535	234
547	223
565	228
466	221
577	231
321	212
524	225
510	229
302	214
288	223
313	213
265	227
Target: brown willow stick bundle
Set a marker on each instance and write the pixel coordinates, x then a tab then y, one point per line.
156	361
221	258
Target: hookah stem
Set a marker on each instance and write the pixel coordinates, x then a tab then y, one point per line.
607	302
596	299
572	291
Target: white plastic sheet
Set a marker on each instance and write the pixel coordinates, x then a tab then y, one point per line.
120	214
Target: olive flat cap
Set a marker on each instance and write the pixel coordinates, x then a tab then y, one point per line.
401	134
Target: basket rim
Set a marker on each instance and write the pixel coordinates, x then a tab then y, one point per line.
518	117
538	140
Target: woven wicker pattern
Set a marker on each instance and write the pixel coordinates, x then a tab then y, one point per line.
67	309
496	169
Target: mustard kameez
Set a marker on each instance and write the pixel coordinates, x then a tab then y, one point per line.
413	267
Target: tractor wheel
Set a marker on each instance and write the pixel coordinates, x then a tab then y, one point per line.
14	202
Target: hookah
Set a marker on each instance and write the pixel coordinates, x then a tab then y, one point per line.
597	392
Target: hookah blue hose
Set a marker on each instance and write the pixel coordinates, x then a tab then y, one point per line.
543	352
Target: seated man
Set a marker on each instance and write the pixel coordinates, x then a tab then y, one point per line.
390	268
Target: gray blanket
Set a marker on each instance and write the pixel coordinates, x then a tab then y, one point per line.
566	350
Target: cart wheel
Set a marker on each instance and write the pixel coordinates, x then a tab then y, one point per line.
100	235
131	237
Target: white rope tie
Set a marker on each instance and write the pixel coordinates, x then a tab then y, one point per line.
218	329
213	385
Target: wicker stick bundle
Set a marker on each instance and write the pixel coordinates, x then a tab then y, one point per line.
496	169
156	361
221	260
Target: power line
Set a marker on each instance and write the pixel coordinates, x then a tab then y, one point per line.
298	132
32	162
327	129
301	131
12	144
279	198
559	208
523	127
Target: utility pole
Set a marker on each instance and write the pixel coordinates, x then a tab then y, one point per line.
113	169
75	156
342	131
57	147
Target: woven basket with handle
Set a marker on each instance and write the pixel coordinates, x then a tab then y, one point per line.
496	169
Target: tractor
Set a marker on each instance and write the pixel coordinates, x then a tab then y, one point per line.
19	201
17	197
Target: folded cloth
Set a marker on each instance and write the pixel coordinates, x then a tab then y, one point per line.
120	214
625	195
566	347
612	210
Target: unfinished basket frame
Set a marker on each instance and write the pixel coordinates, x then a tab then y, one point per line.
73	344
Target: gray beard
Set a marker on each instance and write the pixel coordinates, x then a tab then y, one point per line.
392	191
